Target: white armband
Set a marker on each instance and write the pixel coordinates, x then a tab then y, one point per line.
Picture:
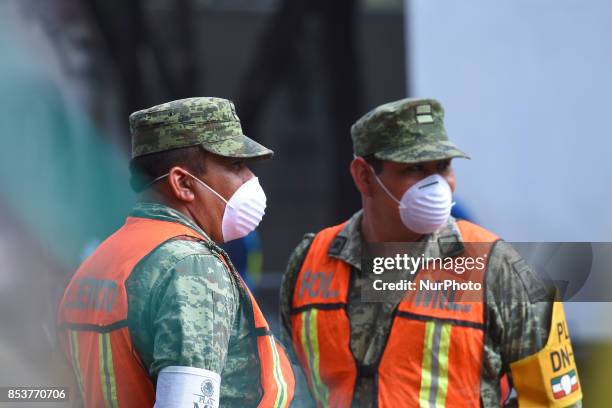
187	387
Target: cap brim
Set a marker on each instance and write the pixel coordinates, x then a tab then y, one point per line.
440	150
239	146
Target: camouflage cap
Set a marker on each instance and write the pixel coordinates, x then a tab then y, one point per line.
206	121
404	131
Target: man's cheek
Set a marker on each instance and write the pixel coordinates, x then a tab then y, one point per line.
451	182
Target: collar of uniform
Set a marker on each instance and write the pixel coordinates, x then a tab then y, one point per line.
446	241
162	212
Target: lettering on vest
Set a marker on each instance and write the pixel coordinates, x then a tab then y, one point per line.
439	299
562	358
91	293
317	284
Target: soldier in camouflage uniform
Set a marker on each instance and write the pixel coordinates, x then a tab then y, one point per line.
187	306
405	140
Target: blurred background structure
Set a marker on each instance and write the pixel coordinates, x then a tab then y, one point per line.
525	85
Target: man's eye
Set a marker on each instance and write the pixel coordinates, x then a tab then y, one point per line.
414	168
238	164
443	166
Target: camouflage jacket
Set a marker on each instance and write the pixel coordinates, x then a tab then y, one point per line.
185	309
518	307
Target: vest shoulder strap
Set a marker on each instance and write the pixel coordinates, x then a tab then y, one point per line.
471	232
322	241
96	294
322	280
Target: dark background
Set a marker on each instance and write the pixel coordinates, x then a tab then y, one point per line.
300	72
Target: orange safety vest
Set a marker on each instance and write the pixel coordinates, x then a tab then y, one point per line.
434	351
92	319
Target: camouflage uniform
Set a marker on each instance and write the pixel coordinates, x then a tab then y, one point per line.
185	309
185	306
518	304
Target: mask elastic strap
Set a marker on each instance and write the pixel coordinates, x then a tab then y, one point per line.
199	181
381	184
385	188
210	189
155	180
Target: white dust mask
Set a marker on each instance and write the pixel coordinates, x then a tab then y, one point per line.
243	211
426	205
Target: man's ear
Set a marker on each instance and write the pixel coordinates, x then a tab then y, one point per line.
363	176
181	184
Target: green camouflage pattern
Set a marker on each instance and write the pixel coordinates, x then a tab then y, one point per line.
519	310
185	308
404	131
206	121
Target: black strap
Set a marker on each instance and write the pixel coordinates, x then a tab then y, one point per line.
319	306
262	331
367	371
94	327
456	322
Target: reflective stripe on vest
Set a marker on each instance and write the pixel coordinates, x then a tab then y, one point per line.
433	355
275	369
92	318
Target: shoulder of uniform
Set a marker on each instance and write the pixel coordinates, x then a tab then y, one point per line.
296	259
187	256
307	238
193	265
506	267
299	252
471	232
179	264
182	247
